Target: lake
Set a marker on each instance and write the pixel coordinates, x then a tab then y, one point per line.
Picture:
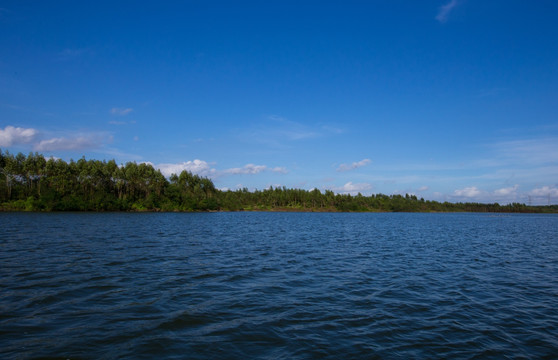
278	285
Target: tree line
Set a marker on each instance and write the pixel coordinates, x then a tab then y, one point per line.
35	183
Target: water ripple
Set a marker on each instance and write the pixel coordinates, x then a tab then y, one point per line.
278	286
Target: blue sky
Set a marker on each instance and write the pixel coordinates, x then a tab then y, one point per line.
451	100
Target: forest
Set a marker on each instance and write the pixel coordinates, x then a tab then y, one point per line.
35	183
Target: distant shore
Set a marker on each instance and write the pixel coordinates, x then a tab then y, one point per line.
34	183
549	210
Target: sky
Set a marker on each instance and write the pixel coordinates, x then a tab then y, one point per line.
449	100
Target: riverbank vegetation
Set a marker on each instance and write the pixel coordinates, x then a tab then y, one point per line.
35	183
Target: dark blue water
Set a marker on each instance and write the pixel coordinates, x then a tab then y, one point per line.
278	286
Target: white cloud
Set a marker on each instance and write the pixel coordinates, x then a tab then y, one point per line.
350	188
198	167
544	191
254	169
445	10
121	111
506	191
204	168
280	169
246	169
423	188
78	143
16	135
355	165
467	192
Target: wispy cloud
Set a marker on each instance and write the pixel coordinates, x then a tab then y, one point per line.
25	109
444	11
254	169
527	151
292	130
114	122
77	143
203	168
16	135
279	169
545	191
278	131
353	189
69	54
246	169
503	195
354	165
121	111
468	192
491	92
73	141
522	159
4	11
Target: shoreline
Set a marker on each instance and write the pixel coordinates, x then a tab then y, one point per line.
276	210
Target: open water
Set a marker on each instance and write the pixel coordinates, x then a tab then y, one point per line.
278	286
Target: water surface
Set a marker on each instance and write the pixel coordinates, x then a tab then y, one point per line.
278	285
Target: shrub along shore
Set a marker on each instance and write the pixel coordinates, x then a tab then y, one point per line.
34	183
